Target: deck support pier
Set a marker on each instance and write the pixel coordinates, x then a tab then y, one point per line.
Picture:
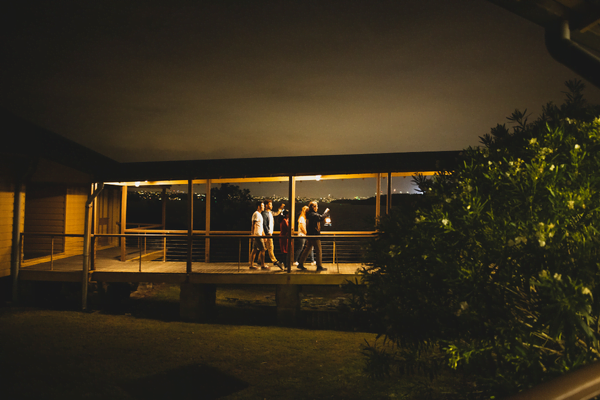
288	304
196	301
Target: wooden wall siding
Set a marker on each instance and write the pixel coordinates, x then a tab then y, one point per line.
75	217
7	197
107	215
44	213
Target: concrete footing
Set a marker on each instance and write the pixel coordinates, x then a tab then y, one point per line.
197	301
288	304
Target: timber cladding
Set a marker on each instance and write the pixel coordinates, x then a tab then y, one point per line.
7	197
44	213
76	198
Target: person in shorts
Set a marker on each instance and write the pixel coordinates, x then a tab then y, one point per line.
258	243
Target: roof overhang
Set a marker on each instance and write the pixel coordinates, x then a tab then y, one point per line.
231	169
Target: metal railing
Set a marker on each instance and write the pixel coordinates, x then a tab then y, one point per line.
178	246
37	248
337	248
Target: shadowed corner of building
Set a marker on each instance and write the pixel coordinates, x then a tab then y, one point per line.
187	382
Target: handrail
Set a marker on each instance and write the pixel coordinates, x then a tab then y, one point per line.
52	234
52	256
212	235
144	252
184	231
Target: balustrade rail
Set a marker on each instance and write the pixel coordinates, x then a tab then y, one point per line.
143	246
39	248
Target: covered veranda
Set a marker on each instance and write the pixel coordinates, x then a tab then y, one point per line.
139	253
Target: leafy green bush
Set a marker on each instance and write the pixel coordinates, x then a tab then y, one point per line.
498	277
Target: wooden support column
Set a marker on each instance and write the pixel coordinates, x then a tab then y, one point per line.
388	204
197	301
87	238
378	198
292	197
95	228
18	213
123	221
164	221
288	304
188	268
207	240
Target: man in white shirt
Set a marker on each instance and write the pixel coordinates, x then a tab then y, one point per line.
259	244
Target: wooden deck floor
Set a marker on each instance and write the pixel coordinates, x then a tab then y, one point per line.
108	268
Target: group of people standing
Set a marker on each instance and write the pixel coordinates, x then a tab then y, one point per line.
309	223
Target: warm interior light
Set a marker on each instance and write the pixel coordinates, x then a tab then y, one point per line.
137	184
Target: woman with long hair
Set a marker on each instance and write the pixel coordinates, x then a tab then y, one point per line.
301	241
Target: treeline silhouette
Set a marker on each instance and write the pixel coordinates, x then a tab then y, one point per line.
232	209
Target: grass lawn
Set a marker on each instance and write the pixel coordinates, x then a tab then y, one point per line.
62	354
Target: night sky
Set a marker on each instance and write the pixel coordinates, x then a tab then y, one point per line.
157	80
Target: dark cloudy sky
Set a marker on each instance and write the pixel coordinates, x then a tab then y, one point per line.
173	80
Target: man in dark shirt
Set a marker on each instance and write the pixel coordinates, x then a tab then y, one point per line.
313	227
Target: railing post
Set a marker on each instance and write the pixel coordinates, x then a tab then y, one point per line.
140	247
52	253
22	249
93	253
240	254
335	258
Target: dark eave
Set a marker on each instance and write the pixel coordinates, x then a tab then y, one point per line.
281	166
24	140
583	16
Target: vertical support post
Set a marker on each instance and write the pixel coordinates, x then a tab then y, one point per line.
388	205
94	231
123	221
87	235
336	259
52	253
86	252
288	304
188	268
292	197
333	260
378	198
140	247
207	240
17	241
164	221
93	254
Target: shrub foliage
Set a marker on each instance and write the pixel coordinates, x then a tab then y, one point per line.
497	275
